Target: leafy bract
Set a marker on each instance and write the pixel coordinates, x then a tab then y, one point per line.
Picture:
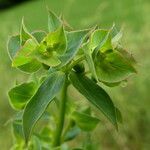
24	34
113	67
39	102
95	94
100	39
53	21
20	94
85	121
56	41
39	35
13	48
23	56
53	45
75	40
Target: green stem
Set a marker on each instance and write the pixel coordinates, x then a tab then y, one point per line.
60	124
75	62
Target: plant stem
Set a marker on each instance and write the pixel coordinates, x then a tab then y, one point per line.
61	117
76	62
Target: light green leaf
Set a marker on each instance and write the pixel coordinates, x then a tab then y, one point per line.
115	40
100	39
39	102
74	40
24	55
24	34
95	94
53	21
20	94
85	121
89	60
113	67
56	41
49	60
13	48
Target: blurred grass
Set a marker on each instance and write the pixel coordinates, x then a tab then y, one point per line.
132	99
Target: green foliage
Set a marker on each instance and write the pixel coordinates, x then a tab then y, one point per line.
83	58
95	94
20	94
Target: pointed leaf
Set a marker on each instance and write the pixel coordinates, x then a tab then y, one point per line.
39	102
20	94
74	40
53	21
100	39
39	35
95	94
56	41
24	34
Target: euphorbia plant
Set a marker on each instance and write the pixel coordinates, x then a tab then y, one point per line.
56	60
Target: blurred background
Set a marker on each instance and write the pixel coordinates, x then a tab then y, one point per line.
132	98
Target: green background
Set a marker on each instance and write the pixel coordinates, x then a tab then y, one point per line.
132	98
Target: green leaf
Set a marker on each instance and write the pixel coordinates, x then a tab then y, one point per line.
56	41
13	47
84	121
24	55
95	94
17	131
39	102
101	40
72	133
74	40
126	55
53	21
113	67
20	94
39	35
89	60
50	60
24	34
53	44
115	40
119	116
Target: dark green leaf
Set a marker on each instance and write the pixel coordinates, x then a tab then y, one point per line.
119	116
20	94
39	35
95	94
39	102
74	40
17	131
85	121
